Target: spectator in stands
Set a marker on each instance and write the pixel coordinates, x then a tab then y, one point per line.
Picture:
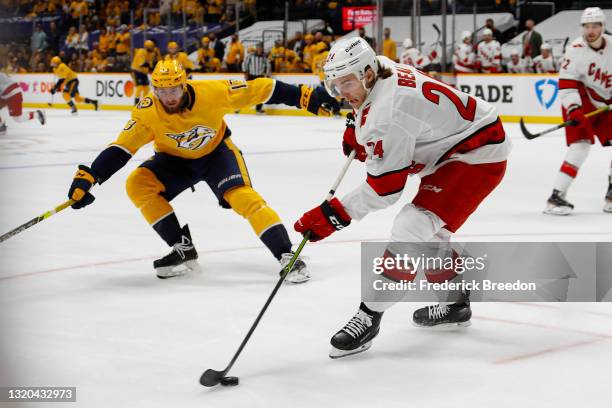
78	9
83	40
292	62
277	56
489	53
215	8
180	56
72	41
39	39
257	65
516	65
235	55
308	52
532	41
497	35
111	39
297	44
389	46
229	17
363	35
122	51
217	46
53	38
205	53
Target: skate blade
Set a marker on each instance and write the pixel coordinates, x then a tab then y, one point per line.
166	272
444	325
297	278
554	210
335	353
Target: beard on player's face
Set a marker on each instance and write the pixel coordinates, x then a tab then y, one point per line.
592	32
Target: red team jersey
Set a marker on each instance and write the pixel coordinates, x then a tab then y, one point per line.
585	79
411	123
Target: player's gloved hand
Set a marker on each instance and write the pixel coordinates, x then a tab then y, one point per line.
315	100
83	180
324	220
349	141
576	115
433	54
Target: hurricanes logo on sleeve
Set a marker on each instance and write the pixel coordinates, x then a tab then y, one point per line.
193	139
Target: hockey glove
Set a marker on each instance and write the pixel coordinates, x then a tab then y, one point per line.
324	220
349	141
315	100
83	180
582	123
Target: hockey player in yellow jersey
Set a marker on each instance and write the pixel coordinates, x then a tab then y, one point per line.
142	65
181	57
192	143
68	78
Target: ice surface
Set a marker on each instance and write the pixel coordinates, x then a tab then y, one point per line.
80	305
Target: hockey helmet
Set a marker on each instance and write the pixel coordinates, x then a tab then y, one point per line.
593	15
149	45
466	35
55	61
168	74
348	56
407	43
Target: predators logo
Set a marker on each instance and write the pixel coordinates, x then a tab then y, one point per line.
193	139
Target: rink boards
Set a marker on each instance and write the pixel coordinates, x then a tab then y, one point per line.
532	96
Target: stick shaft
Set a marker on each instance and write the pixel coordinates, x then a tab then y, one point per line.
569	122
287	267
35	220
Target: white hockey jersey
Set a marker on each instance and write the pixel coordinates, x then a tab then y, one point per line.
592	69
543	65
411	123
8	86
489	55
414	57
464	58
519	68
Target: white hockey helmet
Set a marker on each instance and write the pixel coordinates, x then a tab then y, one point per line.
593	15
348	56
546	46
487	31
515	52
466	34
407	43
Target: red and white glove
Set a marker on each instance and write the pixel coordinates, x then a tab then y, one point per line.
433	54
576	114
323	220
349	141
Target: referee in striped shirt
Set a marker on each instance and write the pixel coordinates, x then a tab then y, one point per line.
257	65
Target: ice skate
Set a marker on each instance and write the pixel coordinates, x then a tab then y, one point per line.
42	118
357	335
458	314
557	204
183	258
299	272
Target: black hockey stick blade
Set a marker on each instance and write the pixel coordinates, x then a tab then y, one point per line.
526	133
211	377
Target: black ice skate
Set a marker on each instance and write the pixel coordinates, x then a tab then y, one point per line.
557	204
180	260
299	273
358	333
458	314
608	205
40	115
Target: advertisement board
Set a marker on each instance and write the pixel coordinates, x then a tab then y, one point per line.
355	17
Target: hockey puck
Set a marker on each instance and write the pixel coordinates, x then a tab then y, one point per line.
229	381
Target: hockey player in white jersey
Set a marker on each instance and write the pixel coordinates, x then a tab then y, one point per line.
585	84
412	56
545	62
516	65
488	53
407	123
464	57
12	98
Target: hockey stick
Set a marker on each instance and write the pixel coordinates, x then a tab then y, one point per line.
212	377
36	220
530	136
